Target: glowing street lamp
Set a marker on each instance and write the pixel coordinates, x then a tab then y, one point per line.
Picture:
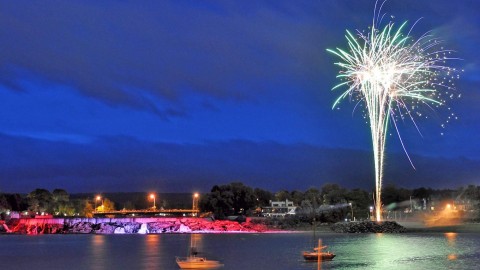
97	199
152	196
195	203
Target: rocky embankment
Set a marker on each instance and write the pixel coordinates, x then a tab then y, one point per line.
368	227
127	226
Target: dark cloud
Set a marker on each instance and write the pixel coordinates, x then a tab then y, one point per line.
121	163
143	54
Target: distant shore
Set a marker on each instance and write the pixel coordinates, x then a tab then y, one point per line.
189	225
34	226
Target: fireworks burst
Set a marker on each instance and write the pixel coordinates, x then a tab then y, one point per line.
392	75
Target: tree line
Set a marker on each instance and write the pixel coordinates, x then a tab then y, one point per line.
329	202
56	203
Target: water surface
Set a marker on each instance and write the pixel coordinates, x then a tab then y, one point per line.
241	251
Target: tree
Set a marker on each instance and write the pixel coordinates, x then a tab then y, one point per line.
107	205
421	193
231	199
4	205
17	202
40	200
87	210
361	202
263	197
128	205
392	194
314	196
283	195
60	196
297	197
333	194
61	202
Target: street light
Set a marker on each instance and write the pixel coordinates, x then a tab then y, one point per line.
351	207
152	196
195	204
98	198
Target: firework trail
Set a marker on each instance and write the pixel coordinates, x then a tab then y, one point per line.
392	75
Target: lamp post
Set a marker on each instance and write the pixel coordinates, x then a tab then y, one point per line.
351	207
195	204
98	198
152	196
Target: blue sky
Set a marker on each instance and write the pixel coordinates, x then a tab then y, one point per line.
175	96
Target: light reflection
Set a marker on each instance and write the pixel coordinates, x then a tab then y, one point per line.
451	240
452	257
196	244
152	251
98	252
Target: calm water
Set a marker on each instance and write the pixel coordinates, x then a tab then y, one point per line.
240	251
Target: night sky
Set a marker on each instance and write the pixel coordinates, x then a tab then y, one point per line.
176	96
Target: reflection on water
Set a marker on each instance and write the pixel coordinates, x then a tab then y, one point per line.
196	245
152	251
241	251
98	254
451	240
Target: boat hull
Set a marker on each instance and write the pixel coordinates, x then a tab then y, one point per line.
197	263
313	256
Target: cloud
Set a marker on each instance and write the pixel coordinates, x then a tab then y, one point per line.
126	164
151	55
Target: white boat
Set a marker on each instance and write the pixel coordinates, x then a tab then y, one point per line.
193	262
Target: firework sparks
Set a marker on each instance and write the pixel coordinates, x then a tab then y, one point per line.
392	75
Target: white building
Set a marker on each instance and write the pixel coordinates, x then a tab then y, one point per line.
279	209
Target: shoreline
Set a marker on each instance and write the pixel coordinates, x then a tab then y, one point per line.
32	226
182	225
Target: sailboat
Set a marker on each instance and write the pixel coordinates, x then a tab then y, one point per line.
192	261
318	254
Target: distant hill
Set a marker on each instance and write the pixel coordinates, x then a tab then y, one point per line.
141	200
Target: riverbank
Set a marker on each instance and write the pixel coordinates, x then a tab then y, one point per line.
34	226
162	225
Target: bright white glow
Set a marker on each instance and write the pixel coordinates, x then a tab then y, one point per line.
391	75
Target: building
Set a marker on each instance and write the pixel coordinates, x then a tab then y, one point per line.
279	209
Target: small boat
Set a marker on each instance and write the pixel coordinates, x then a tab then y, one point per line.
193	262
317	254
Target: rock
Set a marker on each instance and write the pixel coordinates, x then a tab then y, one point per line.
119	230
81	227
143	229
131	227
184	229
106	228
368	227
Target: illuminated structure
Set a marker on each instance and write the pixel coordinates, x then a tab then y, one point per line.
97	199
195	204
391	75
152	196
279	209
